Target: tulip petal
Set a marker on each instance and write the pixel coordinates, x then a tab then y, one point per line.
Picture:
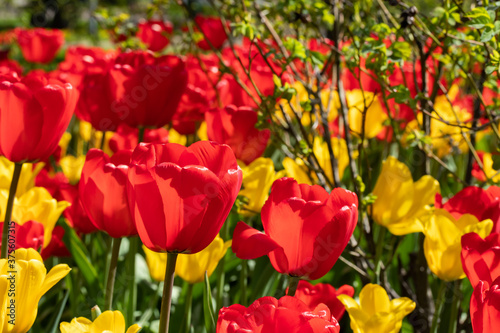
249	243
55	275
373	298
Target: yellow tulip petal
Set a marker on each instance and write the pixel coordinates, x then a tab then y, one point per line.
134	329
348	302
402	306
72	167
112	321
29	279
395	192
77	325
296	170
56	274
28	254
157	264
425	190
373	298
192	267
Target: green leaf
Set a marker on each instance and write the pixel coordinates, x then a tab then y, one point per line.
479	17
54	323
81	255
490	69
401	95
496	161
296	49
208	307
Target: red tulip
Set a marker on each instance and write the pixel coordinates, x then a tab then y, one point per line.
324	293
89	68
39	45
28	235
51	183
483	204
485	307
236	128
75	214
102	192
180	197
230	92
268	314
306	228
191	110
56	247
253	62
34	113
147	90
212	30
127	137
155	34
481	257
10	66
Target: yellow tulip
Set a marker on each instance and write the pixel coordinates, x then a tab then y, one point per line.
87	133
35	205
446	133
375	312
402	205
258	177
157	263
189	267
31	282
176	137
488	168
72	167
26	179
339	148
442	244
107	322
64	143
85	130
299	171
357	102
201	132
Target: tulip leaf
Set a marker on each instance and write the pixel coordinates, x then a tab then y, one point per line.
208	306
81	256
54	323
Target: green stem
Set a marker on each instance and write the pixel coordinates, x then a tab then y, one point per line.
166	300
455	304
103	140
380	243
292	285
186	323
110	283
10	205
132	287
439	305
220	283
243	282
140	136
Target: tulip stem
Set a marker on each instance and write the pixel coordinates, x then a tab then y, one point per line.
110	283
439	305
186	323
103	140
132	286
10	205
140	135
292	285
455	304
166	300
